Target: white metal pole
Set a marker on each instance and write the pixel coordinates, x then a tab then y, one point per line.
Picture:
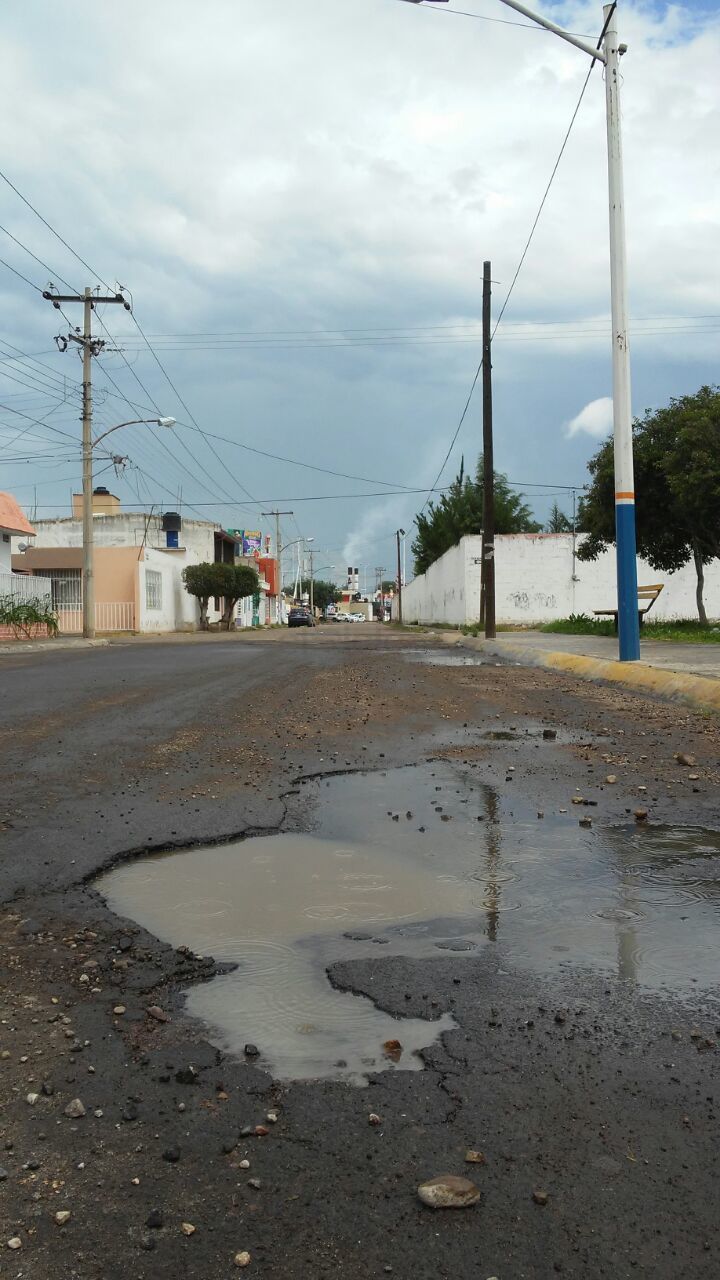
628	620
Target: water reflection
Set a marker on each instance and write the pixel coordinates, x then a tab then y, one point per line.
402	863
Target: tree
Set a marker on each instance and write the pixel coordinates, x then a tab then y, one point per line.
460	512
558	521
677	481
203	581
387	585
240	581
229	582
325	593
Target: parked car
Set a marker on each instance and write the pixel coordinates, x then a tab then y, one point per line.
300	617
358	617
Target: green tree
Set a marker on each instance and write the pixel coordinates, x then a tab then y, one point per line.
240	581
325	593
460	512
229	582
558	521
677	481
204	581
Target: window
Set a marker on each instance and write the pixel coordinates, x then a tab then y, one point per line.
153	589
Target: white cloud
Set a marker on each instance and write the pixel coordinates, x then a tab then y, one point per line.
595	419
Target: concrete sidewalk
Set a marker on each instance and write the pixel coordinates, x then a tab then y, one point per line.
695	659
687	672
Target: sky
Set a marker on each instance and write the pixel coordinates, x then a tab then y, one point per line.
299	200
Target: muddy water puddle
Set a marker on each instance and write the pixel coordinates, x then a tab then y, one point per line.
420	861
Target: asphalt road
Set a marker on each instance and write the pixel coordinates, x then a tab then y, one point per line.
594	1091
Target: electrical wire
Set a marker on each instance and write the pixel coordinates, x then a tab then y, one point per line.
20	275
57	235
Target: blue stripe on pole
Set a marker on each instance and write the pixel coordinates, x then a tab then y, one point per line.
628	620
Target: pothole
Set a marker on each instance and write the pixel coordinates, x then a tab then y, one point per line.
421	861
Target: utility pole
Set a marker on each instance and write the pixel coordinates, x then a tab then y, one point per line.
488	535
399	533
312	584
278	556
90	348
379	571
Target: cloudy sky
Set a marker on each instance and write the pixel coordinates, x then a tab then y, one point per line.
300	198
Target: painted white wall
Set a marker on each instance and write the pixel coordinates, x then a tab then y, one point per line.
534	583
127	529
5	551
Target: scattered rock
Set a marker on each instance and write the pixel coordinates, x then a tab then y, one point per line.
14	1243
272	1116
577	800
158	1014
75	1109
119	1009
244	1164
242	1259
448	1192
147	1243
585	822
62	1216
393	1050
261	1131
129	1112
611	778
155	1219
549	734
32	1098
255	1183
172	1155
187	1075
187	1228
641	815
474	1157
540	1197
374	1119
685	758
252	1051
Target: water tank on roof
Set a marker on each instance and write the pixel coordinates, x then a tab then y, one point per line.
171	522
101	489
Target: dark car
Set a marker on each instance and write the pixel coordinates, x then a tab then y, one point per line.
300	617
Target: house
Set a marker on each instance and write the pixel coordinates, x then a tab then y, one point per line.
13	522
138	562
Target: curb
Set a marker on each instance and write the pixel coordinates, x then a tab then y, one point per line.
49	646
699	691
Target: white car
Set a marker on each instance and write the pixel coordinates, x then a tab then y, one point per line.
358	617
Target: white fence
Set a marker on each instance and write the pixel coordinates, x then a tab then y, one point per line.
110	615
22	587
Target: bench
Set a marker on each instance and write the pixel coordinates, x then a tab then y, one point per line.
649	594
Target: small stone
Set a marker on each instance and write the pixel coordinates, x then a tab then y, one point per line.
32	1098
641	815
585	822
147	1243
155	1219
14	1243
448	1192
135	1182
540	813
374	1119
578	800
252	1051
255	1183
129	1112
4	1175
171	1154
62	1216
540	1197
474	1157
393	1050
187	1075
261	1131
244	1164
98	1113
611	778
272	1117
124	943
75	1109
549	734
84	979
119	1009
187	1228
685	758
242	1259
694	777
158	1014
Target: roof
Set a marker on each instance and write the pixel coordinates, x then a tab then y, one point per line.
12	517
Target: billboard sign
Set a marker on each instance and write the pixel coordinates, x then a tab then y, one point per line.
252	543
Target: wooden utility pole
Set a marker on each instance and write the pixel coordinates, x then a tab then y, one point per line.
278	557
90	348
488	536
399	533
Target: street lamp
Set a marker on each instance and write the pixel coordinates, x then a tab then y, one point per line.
88	581
609	54
280	550
399	533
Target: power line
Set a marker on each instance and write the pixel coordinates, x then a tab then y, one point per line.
20	275
57	235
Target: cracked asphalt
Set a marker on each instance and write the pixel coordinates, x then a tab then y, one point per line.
598	1093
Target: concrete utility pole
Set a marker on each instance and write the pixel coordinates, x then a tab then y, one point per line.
311	553
488	538
90	348
278	556
399	533
379	571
